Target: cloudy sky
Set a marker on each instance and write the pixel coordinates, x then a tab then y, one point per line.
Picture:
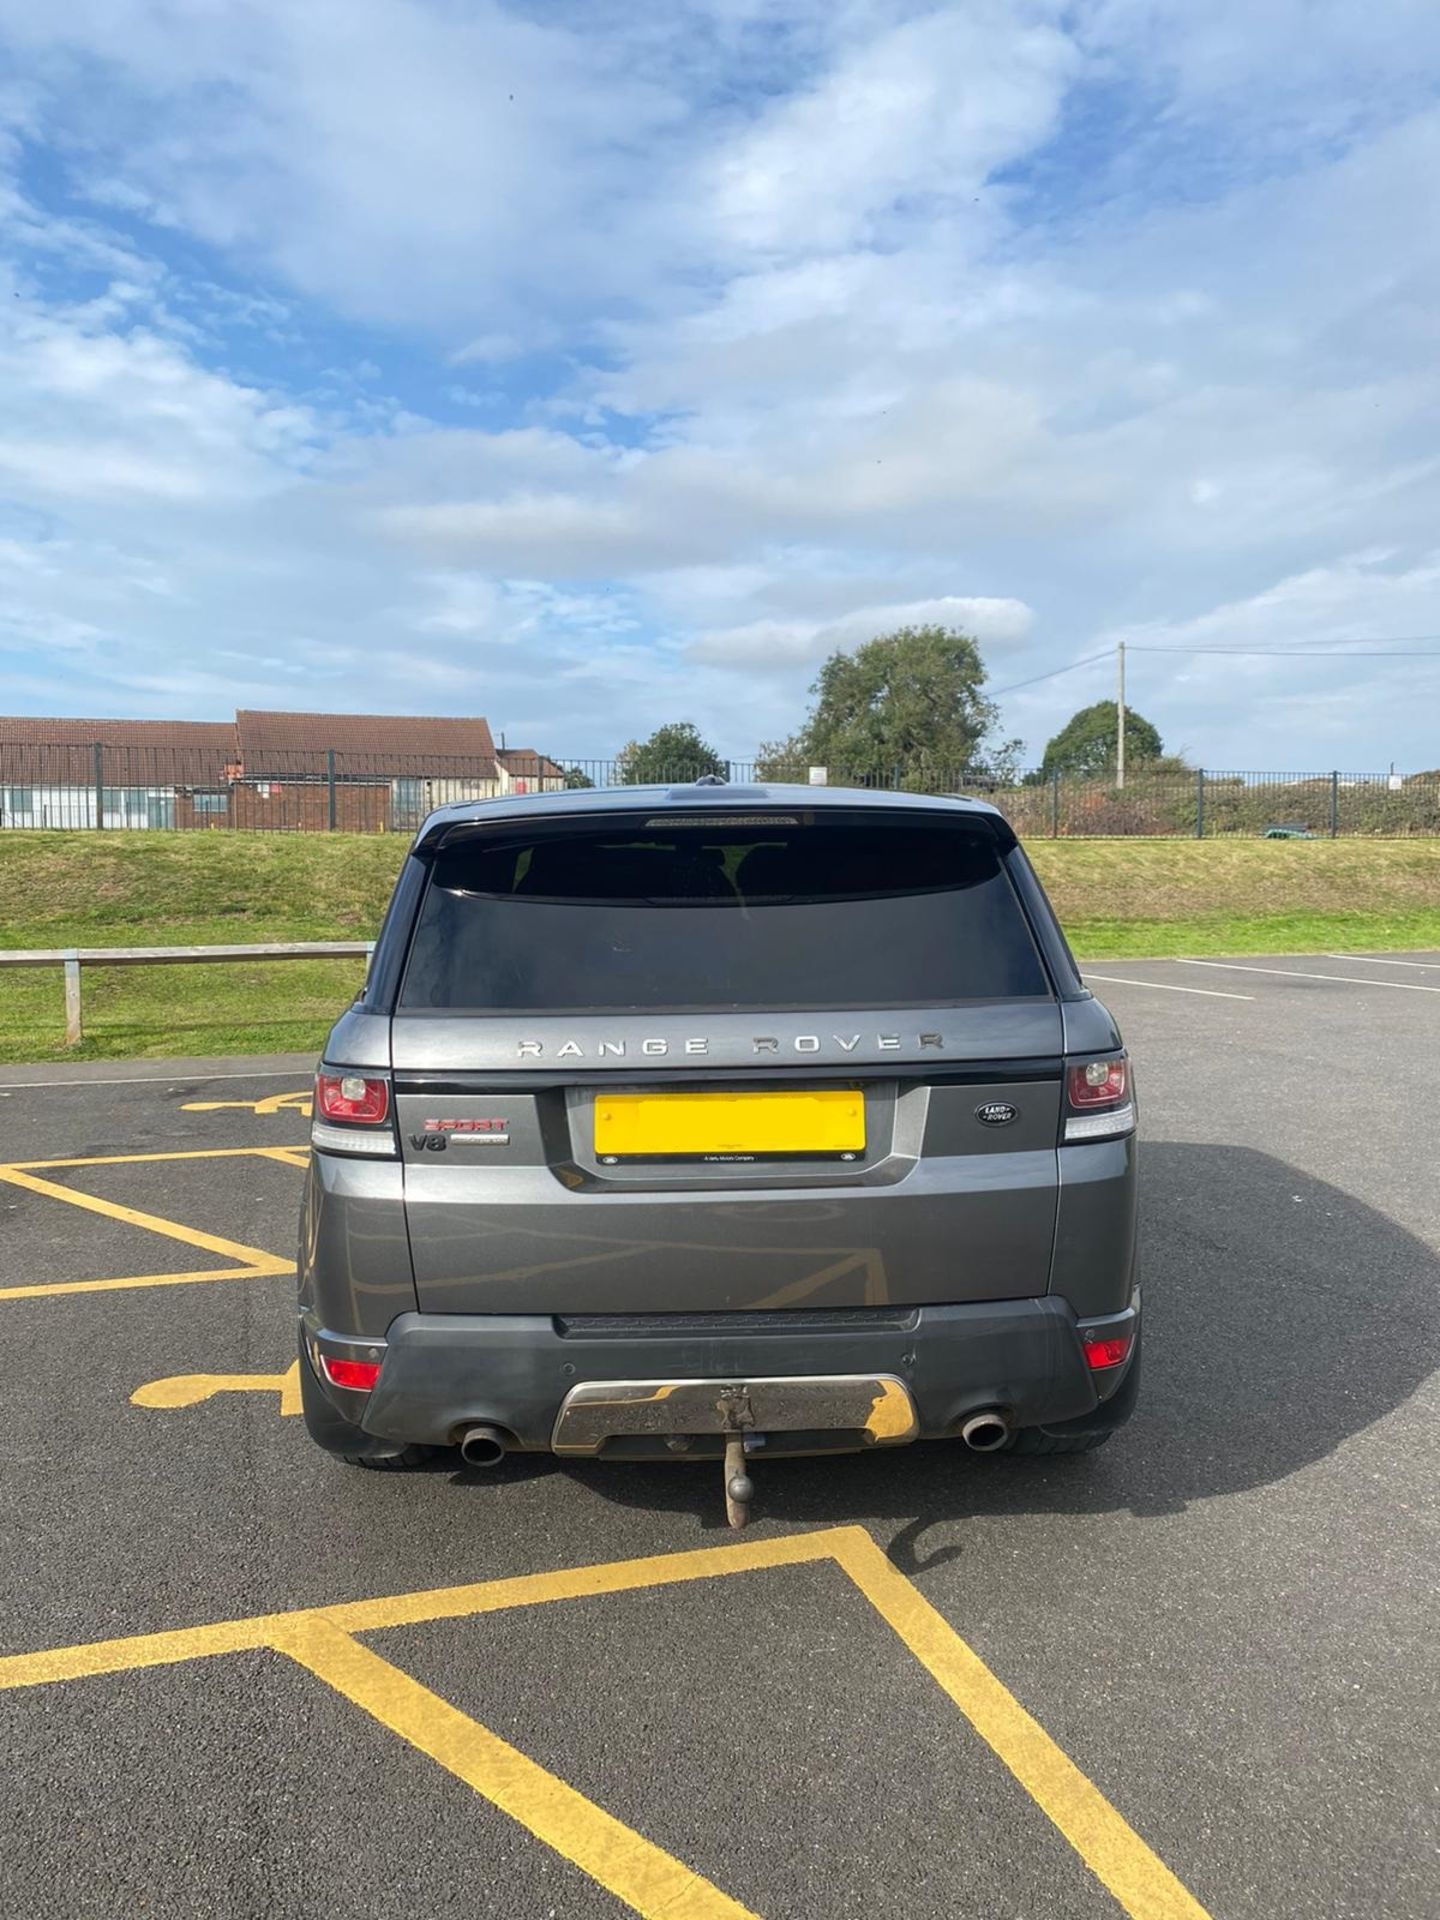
594	363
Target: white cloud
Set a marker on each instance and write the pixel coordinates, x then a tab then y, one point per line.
792	320
779	645
921	112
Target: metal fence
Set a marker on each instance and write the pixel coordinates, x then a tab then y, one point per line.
91	785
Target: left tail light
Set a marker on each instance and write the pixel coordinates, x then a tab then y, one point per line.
1098	1100
352	1114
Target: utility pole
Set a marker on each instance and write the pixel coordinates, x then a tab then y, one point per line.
1120	720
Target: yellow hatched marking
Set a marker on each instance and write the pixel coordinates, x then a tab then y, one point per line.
139	1159
1109	1846
253	1263
626	1864
191	1389
45	1289
318	1638
289	1156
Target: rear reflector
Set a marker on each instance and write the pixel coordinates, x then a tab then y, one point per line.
1100	1354
359	1375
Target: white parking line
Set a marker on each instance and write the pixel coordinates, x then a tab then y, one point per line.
1374	960
1163	986
155	1079
1291	973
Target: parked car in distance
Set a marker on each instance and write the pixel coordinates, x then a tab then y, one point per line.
719	1122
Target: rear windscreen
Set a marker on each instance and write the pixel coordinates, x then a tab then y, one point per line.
739	916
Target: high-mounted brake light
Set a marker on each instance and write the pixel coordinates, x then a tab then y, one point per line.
1098	1099
359	1375
1100	1354
352	1098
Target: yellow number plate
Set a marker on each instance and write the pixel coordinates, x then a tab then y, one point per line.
729	1126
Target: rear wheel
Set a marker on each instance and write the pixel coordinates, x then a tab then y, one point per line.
348	1442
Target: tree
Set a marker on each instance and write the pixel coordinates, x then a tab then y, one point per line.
907	705
1085	746
781	759
576	777
672	753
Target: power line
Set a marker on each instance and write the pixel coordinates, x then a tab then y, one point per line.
1054	671
1295	653
1243	653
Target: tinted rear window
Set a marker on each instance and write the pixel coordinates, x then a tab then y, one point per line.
738	917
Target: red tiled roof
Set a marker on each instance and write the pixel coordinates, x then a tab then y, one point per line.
526	764
297	743
138	753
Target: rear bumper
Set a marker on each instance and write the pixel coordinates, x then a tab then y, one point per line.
445	1372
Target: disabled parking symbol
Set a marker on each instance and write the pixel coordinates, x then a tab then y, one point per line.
193	1389
301	1102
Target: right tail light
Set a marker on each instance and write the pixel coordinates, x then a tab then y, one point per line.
1098	1100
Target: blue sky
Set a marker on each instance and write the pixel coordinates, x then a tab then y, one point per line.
591	366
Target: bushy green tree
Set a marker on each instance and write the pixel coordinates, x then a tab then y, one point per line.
1085	747
674	752
576	777
906	705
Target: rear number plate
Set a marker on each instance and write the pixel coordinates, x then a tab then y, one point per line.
826	1124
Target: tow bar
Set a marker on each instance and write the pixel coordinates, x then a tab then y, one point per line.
870	1409
737	1418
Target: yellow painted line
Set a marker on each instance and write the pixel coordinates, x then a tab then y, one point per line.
291	1156
1109	1846
139	1159
139	1650
409	1609
253	1263
579	1583
192	1389
133	1217
318	1638
44	1289
634	1869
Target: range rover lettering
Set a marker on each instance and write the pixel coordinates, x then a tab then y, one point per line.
720	1122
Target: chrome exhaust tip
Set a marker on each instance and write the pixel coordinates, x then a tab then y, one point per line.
986	1432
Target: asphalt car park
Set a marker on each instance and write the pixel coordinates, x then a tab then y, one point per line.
1194	1673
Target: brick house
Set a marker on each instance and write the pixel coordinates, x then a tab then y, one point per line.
365	773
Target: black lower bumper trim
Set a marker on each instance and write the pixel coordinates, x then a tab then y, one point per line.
444	1372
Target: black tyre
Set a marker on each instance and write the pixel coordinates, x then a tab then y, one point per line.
332	1431
1037	1440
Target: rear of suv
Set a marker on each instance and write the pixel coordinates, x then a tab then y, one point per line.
719	1121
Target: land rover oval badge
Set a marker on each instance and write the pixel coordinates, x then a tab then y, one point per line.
996	1113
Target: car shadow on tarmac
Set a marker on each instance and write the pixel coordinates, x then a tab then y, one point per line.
1282	1316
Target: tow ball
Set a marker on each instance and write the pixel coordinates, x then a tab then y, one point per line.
737	1419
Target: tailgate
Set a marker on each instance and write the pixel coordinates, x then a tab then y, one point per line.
884	1164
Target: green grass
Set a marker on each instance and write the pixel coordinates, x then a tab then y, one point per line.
1122	899
1117	899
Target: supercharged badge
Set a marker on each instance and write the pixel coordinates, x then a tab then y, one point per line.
996	1113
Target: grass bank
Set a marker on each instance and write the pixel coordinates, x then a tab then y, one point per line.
1117	898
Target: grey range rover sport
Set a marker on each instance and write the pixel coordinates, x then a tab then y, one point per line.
719	1122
